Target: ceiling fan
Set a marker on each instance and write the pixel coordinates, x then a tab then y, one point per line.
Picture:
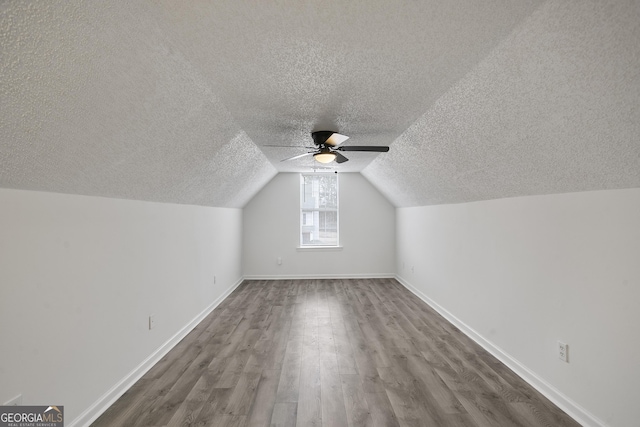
328	147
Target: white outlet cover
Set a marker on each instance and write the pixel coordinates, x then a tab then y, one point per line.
152	322
563	351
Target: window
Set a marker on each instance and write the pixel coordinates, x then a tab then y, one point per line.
319	209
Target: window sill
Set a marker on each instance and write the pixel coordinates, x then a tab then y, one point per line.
318	248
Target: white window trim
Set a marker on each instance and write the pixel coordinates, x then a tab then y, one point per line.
301	247
325	248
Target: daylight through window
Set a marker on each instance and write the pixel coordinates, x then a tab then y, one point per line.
319	209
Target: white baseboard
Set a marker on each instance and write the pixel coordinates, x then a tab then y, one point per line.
104	402
574	410
321	276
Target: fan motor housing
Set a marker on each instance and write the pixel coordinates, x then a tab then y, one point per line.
320	137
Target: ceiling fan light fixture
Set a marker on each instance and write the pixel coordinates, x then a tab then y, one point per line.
324	157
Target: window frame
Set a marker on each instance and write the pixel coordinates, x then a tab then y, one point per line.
303	210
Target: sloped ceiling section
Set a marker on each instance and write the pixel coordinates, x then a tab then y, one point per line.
96	101
367	68
180	101
554	108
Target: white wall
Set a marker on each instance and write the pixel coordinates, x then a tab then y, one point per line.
522	273
271	222
79	277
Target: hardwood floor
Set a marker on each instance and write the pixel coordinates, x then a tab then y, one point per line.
329	353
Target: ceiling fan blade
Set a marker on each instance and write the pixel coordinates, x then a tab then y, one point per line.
340	158
328	137
374	148
336	139
298	156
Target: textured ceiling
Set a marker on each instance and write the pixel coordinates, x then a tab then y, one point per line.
554	108
175	101
96	100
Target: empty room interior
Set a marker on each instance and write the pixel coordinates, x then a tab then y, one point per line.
369	213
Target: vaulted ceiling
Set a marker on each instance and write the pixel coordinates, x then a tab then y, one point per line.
180	101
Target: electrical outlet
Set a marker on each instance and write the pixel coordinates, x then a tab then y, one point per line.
214	279
563	351
16	401
279	260
152	322
412	269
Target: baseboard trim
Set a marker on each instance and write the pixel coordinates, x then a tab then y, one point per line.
574	410
321	276
104	402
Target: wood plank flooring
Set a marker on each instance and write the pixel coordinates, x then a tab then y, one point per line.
329	353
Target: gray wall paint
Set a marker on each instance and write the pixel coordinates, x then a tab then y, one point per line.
271	222
522	273
80	276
